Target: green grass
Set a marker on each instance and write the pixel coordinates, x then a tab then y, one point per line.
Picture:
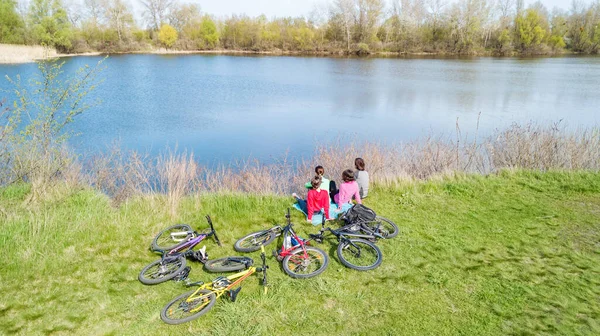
514	253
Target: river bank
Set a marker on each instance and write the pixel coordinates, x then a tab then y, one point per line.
510	253
17	54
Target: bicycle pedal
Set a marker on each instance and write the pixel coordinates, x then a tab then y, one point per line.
183	274
233	293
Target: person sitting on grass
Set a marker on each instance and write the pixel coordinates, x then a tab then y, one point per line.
325	183
348	189
316	199
362	177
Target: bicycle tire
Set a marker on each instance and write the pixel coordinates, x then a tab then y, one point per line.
315	255
367	251
387	228
164	241
254	241
167	312
225	265
160	270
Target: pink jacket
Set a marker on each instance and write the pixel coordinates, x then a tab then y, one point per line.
347	190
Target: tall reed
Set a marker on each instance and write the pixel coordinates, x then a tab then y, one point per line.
173	175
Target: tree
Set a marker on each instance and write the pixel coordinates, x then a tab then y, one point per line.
183	16
50	25
167	35
208	33
156	11
435	11
529	29
344	10
37	127
366	18
119	17
11	24
558	30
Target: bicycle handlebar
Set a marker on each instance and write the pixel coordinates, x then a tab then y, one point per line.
197	283
212	230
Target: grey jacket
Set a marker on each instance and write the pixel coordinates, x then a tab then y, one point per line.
362	178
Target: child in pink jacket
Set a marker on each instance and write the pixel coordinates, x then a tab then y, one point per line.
348	188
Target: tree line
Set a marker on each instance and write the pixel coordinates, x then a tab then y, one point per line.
502	27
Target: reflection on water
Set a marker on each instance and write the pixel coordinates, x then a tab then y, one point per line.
225	107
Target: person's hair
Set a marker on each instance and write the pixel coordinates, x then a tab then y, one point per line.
316	182
319	168
359	163
348	175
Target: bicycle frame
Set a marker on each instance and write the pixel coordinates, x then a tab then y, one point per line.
191	243
235	279
288	231
342	233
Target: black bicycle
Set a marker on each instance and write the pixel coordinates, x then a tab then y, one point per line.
380	226
355	250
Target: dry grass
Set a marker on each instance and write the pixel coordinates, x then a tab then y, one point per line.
12	53
172	175
528	147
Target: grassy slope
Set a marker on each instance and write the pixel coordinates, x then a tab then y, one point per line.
517	253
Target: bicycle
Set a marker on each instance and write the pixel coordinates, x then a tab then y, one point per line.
195	303
298	259
172	264
355	252
380	226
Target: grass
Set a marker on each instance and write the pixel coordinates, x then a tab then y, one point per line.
509	253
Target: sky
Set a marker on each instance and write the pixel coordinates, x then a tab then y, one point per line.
279	8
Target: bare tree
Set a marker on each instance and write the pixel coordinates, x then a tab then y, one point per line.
506	7
119	16
346	10
94	11
435	9
156	11
74	11
367	16
182	15
318	19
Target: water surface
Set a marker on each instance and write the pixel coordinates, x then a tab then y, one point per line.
230	107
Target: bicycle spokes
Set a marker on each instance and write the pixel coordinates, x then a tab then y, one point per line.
358	254
163	268
305	264
188	306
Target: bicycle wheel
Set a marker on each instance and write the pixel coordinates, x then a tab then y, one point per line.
162	270
181	309
254	241
384	227
361	256
297	265
172	236
228	264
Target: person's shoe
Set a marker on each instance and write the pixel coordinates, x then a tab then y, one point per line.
295	195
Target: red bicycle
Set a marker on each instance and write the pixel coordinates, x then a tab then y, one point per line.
299	259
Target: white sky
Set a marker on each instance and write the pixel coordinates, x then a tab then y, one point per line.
299	7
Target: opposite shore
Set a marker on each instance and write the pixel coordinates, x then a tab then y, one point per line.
17	54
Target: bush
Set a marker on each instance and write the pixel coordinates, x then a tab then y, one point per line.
362	49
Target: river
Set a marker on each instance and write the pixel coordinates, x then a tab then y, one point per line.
225	108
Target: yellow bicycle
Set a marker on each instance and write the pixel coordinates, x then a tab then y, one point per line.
195	303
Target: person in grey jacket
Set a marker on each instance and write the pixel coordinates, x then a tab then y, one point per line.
362	177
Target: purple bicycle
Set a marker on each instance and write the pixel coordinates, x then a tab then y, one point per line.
176	244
